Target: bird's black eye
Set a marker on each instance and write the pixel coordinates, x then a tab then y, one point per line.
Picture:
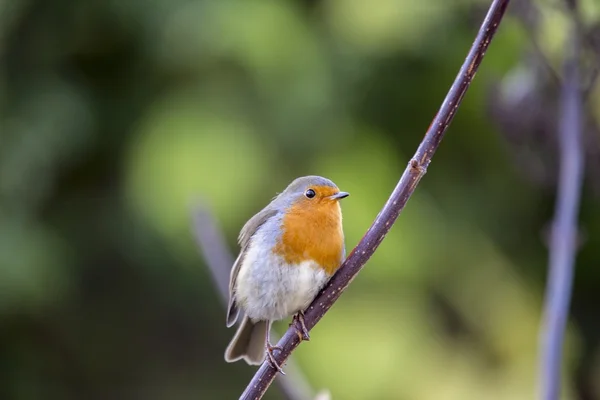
310	193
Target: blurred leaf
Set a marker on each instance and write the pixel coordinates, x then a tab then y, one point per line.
32	267
185	150
385	25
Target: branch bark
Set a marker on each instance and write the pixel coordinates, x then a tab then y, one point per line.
563	244
410	178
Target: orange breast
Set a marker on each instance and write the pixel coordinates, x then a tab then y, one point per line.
313	231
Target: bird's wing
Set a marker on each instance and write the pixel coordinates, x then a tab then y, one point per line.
244	240
254	223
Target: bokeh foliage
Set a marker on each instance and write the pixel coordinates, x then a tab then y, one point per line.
115	116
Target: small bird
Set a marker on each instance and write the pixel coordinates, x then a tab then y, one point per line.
289	251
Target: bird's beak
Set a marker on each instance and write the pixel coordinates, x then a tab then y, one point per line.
339	195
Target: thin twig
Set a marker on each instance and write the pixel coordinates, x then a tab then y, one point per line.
387	216
532	28
563	244
211	242
529	15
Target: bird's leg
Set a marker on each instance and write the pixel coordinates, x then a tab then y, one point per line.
301	330
269	350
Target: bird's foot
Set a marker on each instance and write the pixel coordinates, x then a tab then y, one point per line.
269	350
301	330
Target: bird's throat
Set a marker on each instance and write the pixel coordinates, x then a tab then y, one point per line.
313	233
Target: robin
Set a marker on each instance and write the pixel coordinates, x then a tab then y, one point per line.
289	251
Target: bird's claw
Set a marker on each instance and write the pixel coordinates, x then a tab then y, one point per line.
271	357
301	330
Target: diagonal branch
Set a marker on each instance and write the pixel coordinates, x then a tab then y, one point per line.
564	231
211	241
387	216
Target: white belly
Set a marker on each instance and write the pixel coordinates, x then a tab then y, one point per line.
269	289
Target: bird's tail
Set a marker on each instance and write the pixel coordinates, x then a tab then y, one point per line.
248	343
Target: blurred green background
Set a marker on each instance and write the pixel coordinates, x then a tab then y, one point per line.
116	115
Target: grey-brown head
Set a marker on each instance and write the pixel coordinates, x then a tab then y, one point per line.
311	188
